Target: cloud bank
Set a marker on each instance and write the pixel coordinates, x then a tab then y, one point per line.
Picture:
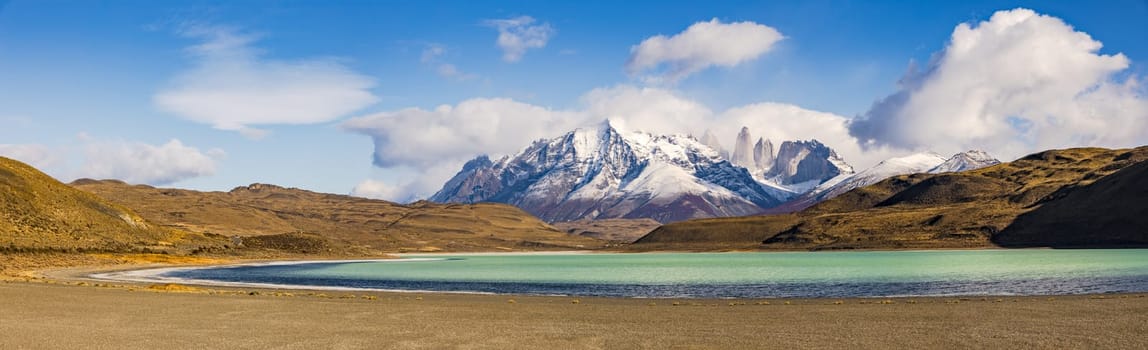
1017	83
136	162
232	87
375	189
516	35
702	45
38	156
132	162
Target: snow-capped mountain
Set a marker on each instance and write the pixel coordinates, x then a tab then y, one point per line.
796	168
925	162
969	160
593	173
911	164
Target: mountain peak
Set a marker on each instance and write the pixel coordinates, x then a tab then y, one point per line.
606	124
743	150
964	161
805	161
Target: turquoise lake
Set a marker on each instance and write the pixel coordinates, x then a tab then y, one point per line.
726	275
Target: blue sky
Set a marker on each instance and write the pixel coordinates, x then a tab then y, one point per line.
81	81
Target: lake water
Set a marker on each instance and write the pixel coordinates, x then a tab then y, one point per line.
725	275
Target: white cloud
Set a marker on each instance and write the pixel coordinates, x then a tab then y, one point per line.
232	87
516	35
136	162
375	189
646	109
447	70
38	156
420	137
1017	83
702	45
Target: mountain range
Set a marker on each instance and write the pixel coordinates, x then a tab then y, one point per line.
603	173
1085	197
600	173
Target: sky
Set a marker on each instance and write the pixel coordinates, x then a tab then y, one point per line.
387	99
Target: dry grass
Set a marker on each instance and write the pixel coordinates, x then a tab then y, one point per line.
616	230
172	287
40	214
350	225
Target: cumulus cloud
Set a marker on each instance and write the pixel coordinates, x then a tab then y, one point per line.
231	86
38	156
652	110
1016	83
516	35
375	189
137	162
421	137
702	45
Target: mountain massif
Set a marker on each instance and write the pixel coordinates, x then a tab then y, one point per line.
1085	197
601	173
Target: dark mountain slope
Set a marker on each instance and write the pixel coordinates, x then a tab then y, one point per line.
1112	212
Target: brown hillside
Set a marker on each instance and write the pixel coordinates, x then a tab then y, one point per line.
256	211
1112	212
1013	204
616	230
38	213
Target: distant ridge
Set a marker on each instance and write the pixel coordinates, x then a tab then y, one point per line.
314	222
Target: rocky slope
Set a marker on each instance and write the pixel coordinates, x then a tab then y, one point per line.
1085	197
284	218
38	213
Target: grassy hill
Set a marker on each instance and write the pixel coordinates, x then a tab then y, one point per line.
616	230
1085	197
39	213
285	218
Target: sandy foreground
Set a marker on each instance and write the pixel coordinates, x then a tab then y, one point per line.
64	314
